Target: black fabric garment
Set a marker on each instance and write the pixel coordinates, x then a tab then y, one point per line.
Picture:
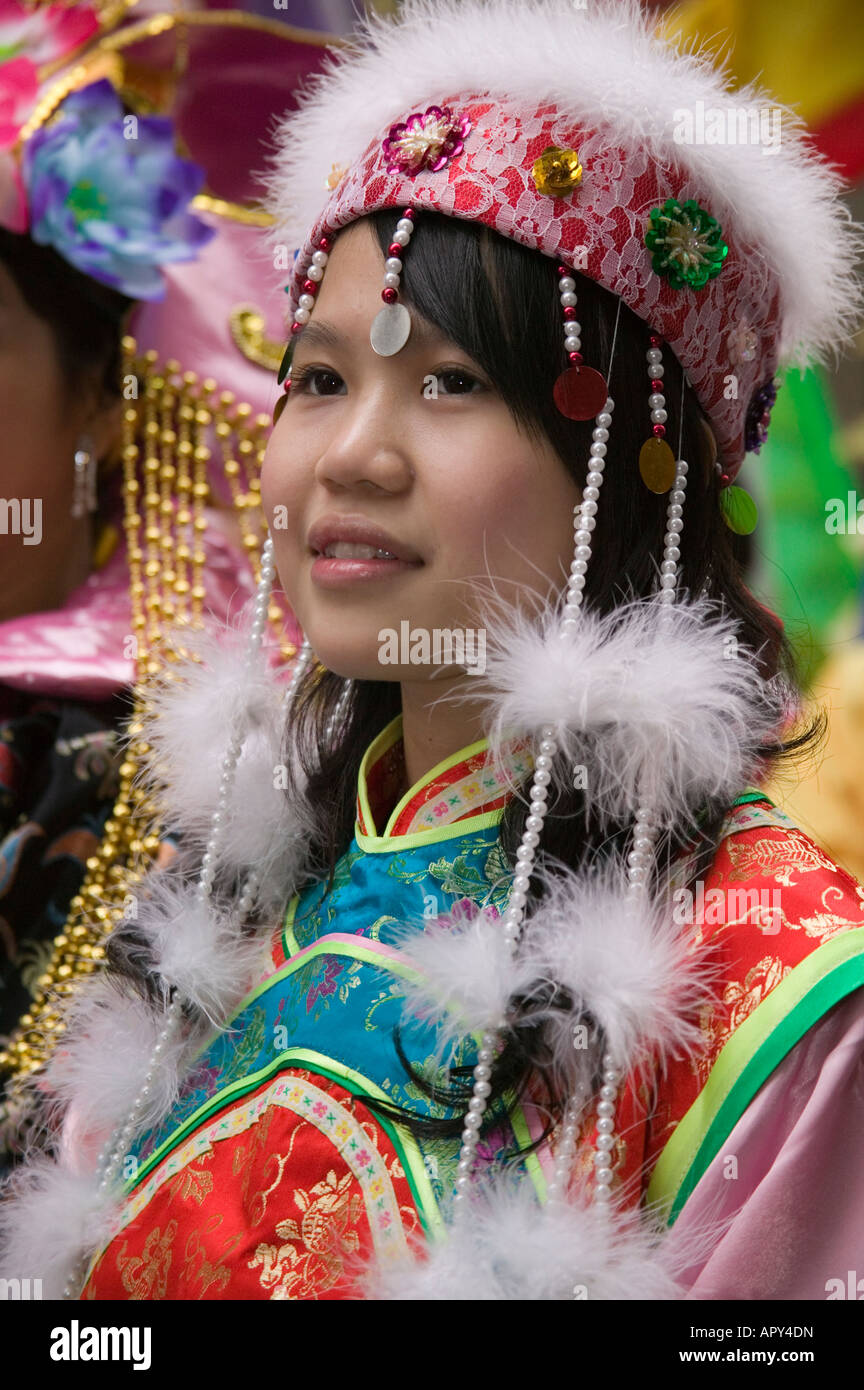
59	777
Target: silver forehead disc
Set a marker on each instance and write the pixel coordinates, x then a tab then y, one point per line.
390	329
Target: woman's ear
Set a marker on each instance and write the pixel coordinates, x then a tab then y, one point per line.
711	438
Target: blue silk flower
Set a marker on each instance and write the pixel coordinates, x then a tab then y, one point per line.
113	206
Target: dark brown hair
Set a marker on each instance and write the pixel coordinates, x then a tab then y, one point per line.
85	316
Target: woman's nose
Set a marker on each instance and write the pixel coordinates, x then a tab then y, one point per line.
366	449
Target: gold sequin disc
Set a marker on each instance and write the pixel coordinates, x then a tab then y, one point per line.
657	465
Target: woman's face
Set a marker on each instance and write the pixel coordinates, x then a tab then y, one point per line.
420	446
44	551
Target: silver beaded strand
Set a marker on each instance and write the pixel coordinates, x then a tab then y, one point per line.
334	723
639	862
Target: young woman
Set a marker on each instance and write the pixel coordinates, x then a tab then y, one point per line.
486	971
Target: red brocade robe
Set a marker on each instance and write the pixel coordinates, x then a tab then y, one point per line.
275	1180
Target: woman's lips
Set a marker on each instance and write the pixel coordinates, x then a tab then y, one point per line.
337	572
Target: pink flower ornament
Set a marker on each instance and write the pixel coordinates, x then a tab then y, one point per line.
426	140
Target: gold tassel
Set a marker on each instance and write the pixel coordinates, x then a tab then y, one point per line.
165	455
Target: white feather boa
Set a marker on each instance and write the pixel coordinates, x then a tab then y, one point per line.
634	977
54	1214
504	1247
188	730
627	967
657	703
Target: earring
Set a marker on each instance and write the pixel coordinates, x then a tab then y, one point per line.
656	459
84	498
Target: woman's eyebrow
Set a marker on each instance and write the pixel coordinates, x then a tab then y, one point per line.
320	333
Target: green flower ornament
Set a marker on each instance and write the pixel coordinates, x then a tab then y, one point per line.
686	244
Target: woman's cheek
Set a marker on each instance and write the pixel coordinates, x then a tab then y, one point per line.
268	483
279	495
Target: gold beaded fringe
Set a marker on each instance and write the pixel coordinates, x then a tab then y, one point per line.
170	422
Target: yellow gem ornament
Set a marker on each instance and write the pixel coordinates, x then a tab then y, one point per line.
556	171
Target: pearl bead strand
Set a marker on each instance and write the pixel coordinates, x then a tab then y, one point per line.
584	523
656	372
395	252
639	862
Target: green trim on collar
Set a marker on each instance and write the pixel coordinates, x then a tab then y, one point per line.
749	1057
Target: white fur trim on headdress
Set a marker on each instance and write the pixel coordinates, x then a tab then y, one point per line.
602	65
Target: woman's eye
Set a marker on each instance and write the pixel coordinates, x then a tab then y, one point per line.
457	382
316	381
322	381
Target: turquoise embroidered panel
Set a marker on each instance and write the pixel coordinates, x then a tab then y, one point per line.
340	994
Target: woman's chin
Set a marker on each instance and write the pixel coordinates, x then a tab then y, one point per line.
352	663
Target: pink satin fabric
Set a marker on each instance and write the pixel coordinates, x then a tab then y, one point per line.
193	322
795	1212
82	650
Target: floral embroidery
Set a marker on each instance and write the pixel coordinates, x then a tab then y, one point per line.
778	859
193	1184
209	1273
333	968
464	910
825	924
297	1093
740	998
145	1276
458	876
323	1234
432	1073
